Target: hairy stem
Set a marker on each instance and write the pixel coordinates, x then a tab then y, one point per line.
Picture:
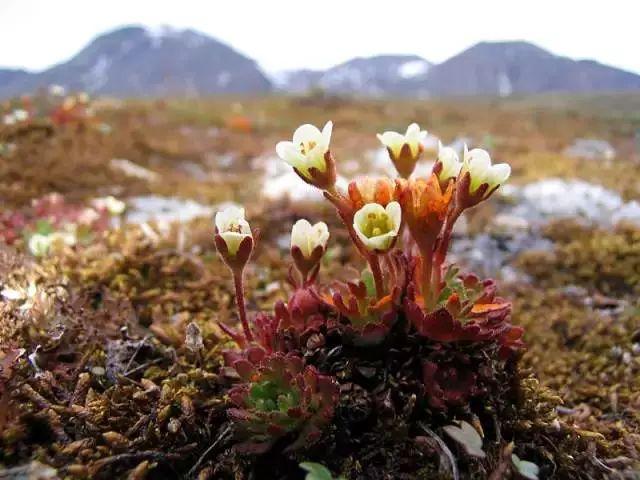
242	312
427	266
378	279
440	253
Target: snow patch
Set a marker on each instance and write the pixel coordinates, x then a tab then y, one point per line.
98	74
505	88
413	68
149	208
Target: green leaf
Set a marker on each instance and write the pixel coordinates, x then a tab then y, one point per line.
316	471
367	278
44	227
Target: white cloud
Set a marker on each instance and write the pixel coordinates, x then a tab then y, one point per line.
287	34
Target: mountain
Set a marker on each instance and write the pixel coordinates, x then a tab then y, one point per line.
379	75
487	68
136	61
503	68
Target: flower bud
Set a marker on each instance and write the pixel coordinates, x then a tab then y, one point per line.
448	165
234	239
377	227
309	155
372	190
308	244
404	150
478	178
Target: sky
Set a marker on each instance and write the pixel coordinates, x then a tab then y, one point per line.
290	34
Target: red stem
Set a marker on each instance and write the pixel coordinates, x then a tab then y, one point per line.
237	280
374	263
441	250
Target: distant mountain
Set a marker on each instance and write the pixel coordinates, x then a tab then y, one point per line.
496	68
136	61
379	75
503	68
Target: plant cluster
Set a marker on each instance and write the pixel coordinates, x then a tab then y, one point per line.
412	328
51	220
53	104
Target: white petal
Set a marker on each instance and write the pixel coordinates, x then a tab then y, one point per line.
479	159
326	133
499	173
413	130
395	213
393	141
305	133
300	234
233	239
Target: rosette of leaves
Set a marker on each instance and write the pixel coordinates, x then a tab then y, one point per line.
280	396
468	309
364	319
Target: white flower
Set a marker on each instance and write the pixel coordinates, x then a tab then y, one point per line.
88	216
413	137
111	204
308	148
29	297
20	115
232	227
9	119
307	237
376	226
478	163
39	245
450	161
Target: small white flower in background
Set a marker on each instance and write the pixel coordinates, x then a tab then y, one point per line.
413	137
29	298
307	237
83	97
232	227
20	115
528	470
114	206
478	163
39	245
57	90
308	148
88	216
376	226
468	437
9	119
451	164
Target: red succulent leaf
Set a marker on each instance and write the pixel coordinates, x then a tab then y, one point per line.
449	384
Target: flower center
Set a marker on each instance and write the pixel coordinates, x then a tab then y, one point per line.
377	224
306	147
234	227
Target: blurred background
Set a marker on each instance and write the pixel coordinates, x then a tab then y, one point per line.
175	108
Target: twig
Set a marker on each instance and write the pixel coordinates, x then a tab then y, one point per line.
135	354
220	438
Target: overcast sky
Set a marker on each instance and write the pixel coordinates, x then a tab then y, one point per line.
289	34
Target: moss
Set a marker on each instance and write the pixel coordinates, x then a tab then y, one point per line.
598	259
